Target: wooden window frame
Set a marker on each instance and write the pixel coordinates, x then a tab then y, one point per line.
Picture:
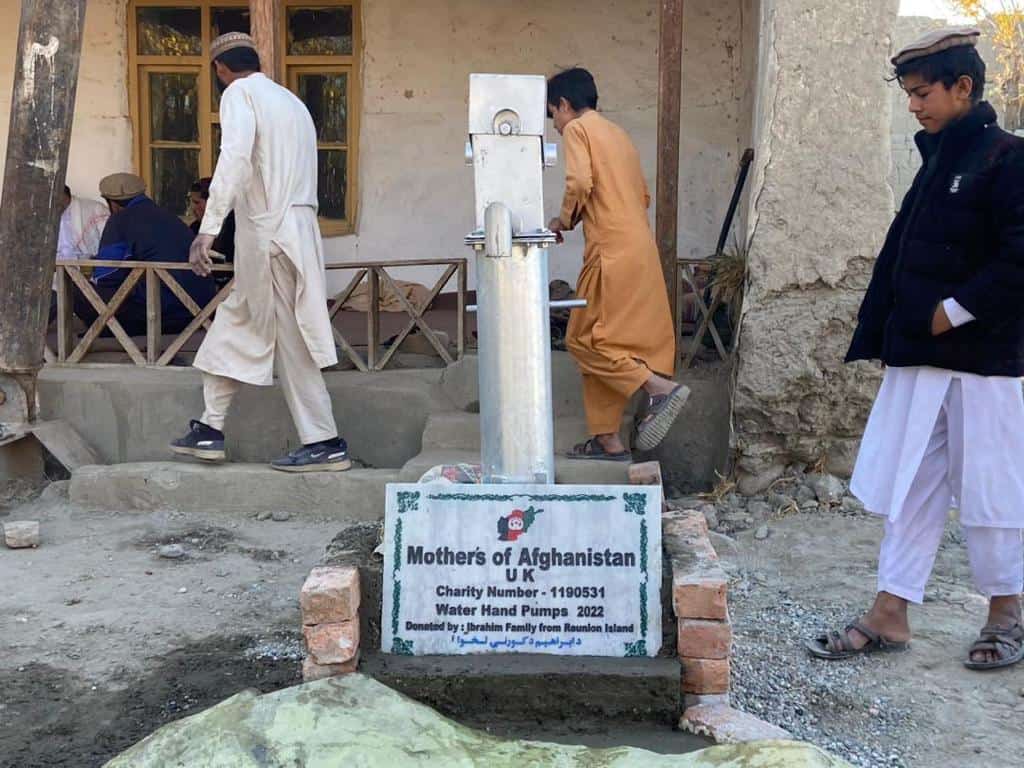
139	67
293	64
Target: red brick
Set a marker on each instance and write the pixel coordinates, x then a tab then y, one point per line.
332	643
686	524
330	595
695	597
312	671
705	675
647	473
701	639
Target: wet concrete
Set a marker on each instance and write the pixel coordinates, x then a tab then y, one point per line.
549	688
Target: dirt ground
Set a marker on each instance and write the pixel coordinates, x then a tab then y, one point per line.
103	640
921	708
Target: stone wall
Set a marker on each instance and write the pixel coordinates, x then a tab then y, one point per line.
821	207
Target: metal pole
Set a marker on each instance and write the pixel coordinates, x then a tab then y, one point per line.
506	129
42	106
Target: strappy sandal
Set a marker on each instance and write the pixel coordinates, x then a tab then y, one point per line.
662	411
833	645
1005	642
592	450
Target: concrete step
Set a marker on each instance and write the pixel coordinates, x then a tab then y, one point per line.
460	383
567	471
546	687
353	496
457	430
129	413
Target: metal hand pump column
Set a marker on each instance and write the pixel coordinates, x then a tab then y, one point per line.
508	154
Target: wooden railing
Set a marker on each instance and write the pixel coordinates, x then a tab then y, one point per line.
158	274
691	278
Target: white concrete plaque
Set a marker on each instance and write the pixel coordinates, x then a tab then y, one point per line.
559	569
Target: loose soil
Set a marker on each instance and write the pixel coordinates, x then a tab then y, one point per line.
102	640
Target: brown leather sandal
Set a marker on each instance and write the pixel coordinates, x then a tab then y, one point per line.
592	450
833	645
1005	642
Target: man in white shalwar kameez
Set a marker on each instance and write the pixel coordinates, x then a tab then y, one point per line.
276	315
81	226
945	313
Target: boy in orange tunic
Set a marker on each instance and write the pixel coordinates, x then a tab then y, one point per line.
623	340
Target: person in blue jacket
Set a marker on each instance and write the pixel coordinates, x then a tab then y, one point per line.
140	230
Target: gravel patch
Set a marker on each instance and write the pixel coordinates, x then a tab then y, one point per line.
818	701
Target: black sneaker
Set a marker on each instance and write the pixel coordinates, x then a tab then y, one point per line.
201	442
325	456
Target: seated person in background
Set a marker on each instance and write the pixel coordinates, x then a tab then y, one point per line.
225	242
139	230
81	225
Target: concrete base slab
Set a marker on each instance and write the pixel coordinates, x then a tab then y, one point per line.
546	687
567	471
353	496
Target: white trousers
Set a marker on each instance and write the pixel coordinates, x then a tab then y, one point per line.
912	540
301	379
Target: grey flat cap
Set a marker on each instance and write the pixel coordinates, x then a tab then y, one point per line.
122	186
937	41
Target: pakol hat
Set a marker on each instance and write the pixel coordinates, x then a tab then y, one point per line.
937	41
122	186
230	41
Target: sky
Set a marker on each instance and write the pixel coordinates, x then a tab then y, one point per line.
938	9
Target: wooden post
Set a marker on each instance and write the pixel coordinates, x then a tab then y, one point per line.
42	106
65	310
670	60
373	319
154	316
263	24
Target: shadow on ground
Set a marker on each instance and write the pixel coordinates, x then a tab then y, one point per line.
53	717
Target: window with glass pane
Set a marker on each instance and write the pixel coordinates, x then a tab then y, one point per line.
326	97
222	21
174	105
216	145
173	172
176	99
172	136
169	31
332	181
320	31
321	68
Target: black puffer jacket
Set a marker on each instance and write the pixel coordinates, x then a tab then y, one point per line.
960	235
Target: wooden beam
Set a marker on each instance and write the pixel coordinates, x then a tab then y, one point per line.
670	61
42	105
263	24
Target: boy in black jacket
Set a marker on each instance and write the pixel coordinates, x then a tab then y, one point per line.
944	312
